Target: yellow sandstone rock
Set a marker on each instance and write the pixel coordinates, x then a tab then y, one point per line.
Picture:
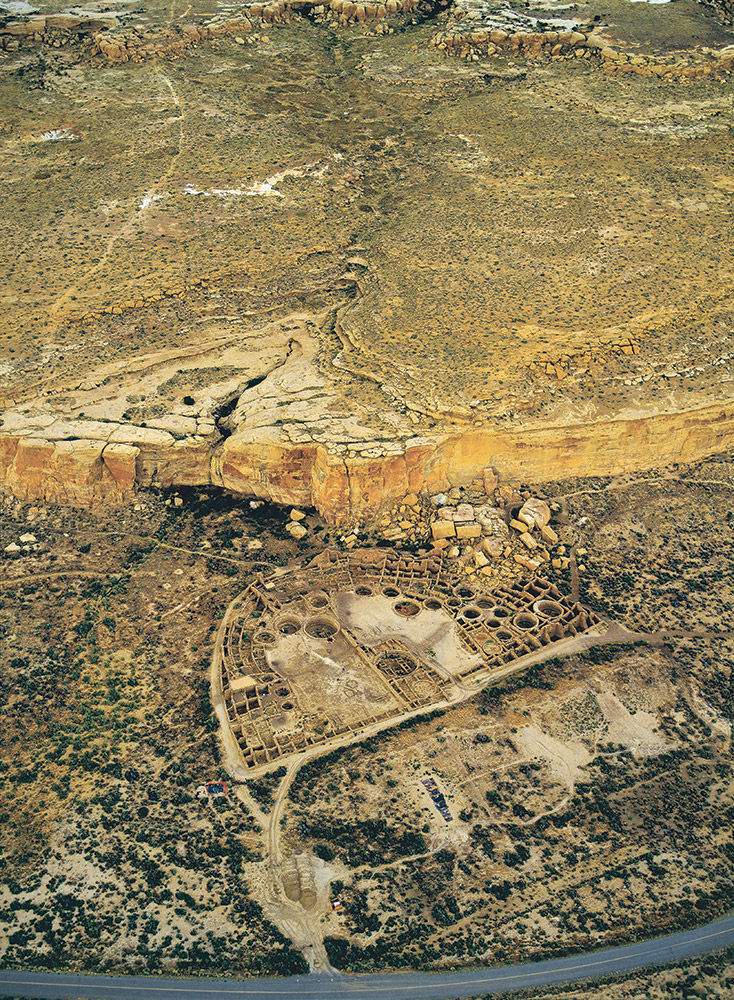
468	531
443	529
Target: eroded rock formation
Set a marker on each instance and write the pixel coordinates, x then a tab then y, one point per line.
295	437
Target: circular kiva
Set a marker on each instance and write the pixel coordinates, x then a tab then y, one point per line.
472	613
525	620
264	636
288	626
548	609
321	627
406	608
412	622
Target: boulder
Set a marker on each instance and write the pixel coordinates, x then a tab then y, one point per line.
468	531
464	512
509	494
63	22
532	564
492	521
23	28
548	534
492	547
491	480
536	511
296	530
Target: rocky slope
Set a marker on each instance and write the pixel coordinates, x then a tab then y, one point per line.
473	29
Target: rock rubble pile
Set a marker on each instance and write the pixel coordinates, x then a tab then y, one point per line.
481	526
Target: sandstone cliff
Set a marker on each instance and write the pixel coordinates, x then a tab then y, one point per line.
262	462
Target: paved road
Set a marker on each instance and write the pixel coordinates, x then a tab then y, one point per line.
400	986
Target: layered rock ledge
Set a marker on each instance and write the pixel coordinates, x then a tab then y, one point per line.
473	30
279	429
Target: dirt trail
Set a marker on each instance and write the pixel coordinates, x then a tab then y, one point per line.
646	481
301	925
146	200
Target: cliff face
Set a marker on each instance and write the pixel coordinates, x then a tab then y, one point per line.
88	472
339	323
76	472
355	487
269	419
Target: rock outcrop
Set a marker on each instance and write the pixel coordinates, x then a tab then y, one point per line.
262	462
468	34
724	7
471	42
103	38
